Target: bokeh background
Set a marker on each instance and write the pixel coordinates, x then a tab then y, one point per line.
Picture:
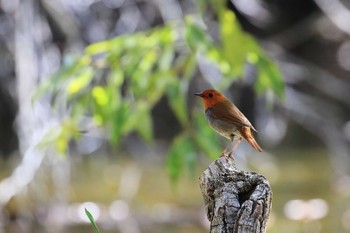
127	181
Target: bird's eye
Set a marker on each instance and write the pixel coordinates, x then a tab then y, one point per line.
211	95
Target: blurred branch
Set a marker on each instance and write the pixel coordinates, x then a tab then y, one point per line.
314	116
34	120
169	9
317	113
320	116
236	201
27	73
297	69
63	19
337	12
291	37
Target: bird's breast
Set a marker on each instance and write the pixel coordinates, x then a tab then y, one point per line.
222	127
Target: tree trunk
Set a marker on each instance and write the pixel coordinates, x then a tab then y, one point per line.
236	201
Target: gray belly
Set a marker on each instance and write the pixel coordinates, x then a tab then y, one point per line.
222	127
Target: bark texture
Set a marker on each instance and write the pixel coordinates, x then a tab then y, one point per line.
236	201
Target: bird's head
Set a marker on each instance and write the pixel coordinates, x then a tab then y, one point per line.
211	97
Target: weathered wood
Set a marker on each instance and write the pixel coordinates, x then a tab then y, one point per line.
236	201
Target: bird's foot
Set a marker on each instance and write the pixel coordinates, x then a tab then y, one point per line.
224	155
227	156
231	155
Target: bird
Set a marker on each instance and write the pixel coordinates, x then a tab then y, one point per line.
227	120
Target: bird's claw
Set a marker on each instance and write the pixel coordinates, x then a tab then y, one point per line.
231	155
227	156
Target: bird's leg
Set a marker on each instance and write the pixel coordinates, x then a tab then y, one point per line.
235	147
223	154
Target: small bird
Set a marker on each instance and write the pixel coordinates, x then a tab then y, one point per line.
226	119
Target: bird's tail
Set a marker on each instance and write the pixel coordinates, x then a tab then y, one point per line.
247	134
254	144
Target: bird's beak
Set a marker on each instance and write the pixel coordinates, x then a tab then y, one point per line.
198	94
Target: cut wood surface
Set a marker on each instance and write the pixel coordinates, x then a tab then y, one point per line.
236	201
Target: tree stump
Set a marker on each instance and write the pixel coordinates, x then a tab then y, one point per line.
236	201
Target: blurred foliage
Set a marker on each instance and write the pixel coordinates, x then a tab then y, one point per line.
117	82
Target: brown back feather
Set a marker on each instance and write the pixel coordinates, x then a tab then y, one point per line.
230	114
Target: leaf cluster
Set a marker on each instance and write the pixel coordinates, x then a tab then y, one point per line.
117	83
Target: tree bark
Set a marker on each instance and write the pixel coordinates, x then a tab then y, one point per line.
236	201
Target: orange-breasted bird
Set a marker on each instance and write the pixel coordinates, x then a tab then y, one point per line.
226	119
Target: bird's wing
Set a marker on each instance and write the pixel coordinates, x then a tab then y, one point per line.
230	114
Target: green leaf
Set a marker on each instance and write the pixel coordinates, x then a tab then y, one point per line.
100	95
101	106
67	130
166	35
180	153
98	119
80	81
78	106
235	42
144	123
166	58
148	61
120	120
92	220
112	90
116	77
269	77
190	157
177	93
145	129
61	143
206	139
175	163
72	65
158	82
195	36
99	47
186	66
